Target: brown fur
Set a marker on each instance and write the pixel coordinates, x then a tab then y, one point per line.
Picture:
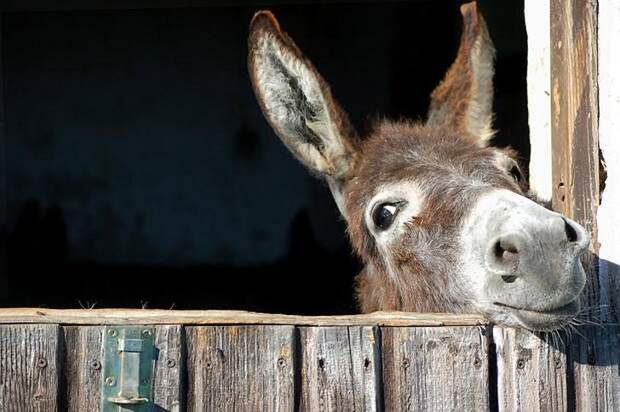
456	103
449	162
264	24
447	158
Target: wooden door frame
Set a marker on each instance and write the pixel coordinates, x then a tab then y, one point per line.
578	177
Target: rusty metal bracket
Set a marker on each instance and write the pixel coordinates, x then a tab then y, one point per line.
128	361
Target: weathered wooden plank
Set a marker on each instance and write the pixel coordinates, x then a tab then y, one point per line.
29	367
531	374
240	368
435	368
340	368
83	367
574	128
577	172
596	360
227	317
168	389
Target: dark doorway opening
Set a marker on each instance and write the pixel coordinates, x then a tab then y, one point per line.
140	171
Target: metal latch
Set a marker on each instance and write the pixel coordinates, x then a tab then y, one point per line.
128	355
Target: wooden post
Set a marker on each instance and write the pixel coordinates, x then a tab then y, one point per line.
574	127
577	191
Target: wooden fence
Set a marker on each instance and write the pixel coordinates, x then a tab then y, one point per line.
52	360
205	360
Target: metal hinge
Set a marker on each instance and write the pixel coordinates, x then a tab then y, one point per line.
128	360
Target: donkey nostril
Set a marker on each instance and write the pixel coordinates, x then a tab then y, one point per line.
571	233
499	250
505	251
509	278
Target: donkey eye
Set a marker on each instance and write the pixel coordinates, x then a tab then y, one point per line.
383	215
515	172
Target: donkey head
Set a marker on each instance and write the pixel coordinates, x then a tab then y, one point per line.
442	221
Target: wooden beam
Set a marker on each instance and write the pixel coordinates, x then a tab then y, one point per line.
574	127
593	368
227	317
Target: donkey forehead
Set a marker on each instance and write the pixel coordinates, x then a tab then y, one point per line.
435	159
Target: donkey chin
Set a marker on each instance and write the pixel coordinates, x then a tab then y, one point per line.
524	261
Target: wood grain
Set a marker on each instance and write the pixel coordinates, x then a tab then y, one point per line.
241	368
596	357
168	388
531	374
435	368
577	177
29	367
82	367
227	317
340	369
574	128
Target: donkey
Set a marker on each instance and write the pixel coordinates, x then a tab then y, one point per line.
442	221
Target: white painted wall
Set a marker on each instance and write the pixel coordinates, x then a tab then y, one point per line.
537	23
609	128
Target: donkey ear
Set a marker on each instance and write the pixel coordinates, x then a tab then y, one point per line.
298	103
464	99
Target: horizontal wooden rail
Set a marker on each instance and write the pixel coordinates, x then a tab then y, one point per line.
227	317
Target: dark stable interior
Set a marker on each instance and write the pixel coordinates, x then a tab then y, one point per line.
141	173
